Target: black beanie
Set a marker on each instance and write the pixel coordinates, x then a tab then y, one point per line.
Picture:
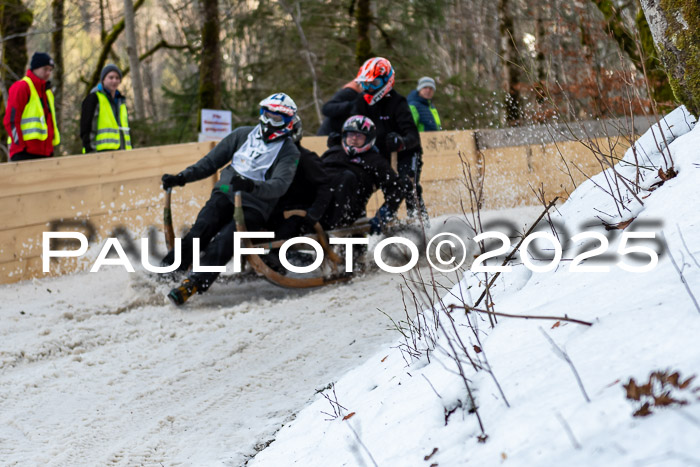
40	59
107	69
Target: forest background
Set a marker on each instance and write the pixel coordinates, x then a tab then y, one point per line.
497	63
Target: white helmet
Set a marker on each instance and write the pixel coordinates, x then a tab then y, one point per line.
276	116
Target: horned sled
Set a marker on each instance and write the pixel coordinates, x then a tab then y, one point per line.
331	271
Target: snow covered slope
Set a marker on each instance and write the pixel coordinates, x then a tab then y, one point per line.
400	414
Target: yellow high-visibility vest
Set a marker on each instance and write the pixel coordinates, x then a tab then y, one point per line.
33	121
108	129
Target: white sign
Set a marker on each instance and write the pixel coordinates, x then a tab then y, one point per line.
216	123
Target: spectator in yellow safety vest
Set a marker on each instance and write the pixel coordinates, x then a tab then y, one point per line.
104	123
30	116
420	100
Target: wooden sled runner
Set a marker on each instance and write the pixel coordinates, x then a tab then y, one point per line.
331	260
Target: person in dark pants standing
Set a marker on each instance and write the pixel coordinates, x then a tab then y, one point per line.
260	163
396	130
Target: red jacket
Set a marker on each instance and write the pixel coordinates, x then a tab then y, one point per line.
17	98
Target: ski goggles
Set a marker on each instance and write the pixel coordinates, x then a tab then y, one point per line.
371	87
274	118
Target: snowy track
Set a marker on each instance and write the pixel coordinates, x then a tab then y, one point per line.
96	374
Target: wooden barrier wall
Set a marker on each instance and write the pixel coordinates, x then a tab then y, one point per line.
104	194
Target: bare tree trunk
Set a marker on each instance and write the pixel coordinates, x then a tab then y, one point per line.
306	52
510	73
132	52
627	41
674	25
363	16
210	65
109	40
57	8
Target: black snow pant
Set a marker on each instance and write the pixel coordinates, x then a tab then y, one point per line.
214	227
410	167
348	203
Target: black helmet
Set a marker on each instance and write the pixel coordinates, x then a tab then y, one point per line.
359	124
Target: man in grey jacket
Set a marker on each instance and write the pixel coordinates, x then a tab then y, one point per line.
262	161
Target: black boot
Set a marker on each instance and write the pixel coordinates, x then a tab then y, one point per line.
180	294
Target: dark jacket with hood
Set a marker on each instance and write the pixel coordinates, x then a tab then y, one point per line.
311	188
337	110
265	193
372	171
391	115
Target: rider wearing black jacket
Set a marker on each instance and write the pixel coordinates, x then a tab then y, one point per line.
396	129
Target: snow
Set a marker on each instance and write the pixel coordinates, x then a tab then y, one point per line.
96	369
642	322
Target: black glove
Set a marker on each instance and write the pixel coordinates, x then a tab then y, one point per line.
170	181
394	142
334	139
239	183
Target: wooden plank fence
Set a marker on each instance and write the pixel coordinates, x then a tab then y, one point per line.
112	193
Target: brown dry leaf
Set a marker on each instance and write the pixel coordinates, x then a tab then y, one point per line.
477	349
687	382
643	411
624	224
633	392
348	416
669	174
556	325
503	456
619	226
384	358
427	458
663	400
672	379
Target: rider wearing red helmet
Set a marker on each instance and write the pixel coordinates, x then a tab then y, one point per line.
396	129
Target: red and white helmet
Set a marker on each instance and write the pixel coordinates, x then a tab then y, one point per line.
276	116
376	76
359	124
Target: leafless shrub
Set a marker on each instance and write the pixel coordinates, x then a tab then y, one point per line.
335	405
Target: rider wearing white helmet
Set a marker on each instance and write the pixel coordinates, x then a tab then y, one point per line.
260	163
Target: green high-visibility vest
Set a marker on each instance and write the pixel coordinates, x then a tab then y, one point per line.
33	121
416	116
107	138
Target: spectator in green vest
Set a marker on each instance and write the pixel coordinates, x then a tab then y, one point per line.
30	116
104	123
420	101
